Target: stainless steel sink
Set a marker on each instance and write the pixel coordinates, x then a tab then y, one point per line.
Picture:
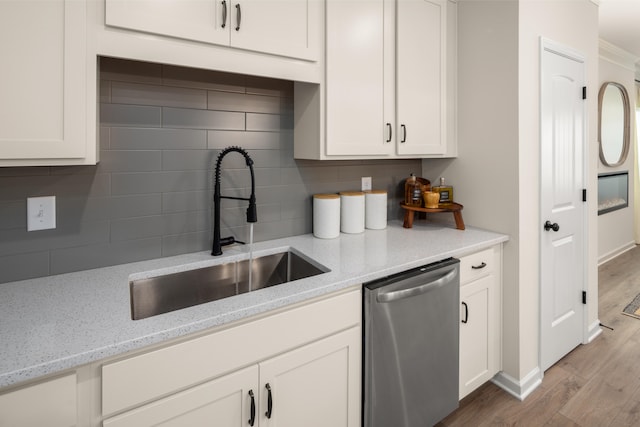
170	292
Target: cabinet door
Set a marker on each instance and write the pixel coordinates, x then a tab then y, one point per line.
477	333
355	96
43	81
225	401
200	20
420	77
314	386
282	27
52	403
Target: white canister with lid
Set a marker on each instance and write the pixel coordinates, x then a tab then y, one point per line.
326	216
352	212
375	209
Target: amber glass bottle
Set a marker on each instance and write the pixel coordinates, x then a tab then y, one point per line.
446	193
412	192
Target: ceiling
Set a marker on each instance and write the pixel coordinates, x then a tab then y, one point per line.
620	24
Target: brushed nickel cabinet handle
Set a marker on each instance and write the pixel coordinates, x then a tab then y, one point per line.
224	13
238	17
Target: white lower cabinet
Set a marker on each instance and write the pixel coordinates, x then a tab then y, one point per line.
300	367
480	318
51	403
314	386
224	400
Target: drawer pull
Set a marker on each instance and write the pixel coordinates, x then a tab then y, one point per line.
478	267
269	401
466	312
252	420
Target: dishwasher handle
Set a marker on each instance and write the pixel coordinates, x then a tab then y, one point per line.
418	290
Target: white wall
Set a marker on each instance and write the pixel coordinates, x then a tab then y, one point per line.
615	229
496	175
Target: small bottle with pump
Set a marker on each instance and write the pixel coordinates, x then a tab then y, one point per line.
445	192
412	192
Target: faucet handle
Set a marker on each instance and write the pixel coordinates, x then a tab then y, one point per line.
229	241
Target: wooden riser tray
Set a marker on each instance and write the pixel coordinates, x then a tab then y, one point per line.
455	208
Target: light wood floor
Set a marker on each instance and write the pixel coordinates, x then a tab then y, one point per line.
595	385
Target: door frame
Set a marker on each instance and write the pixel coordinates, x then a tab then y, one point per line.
568	52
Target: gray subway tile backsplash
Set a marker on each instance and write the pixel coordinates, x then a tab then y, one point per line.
203	79
119	70
202	119
267	122
186	201
161	130
183	160
133	206
136	228
163	96
229	101
130	115
136	183
23	266
177	244
246	140
130	161
123	138
102	255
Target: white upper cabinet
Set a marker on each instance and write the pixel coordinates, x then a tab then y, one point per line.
420	77
389	87
280	27
205	21
47	84
355	81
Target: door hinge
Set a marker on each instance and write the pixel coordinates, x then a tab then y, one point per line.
584	194
584	92
584	297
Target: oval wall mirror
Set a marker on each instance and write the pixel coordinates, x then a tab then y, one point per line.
613	123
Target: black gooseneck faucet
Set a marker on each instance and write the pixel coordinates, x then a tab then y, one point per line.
252	215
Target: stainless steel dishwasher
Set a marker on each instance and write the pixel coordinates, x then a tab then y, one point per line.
411	329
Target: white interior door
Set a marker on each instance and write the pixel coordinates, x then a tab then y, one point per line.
562	208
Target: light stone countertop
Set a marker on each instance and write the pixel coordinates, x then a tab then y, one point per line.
51	324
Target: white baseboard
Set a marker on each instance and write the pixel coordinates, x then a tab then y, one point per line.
523	388
594	331
519	389
614	253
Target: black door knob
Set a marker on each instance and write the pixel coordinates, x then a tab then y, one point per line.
548	226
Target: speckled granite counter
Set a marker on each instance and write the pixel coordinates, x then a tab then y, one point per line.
55	323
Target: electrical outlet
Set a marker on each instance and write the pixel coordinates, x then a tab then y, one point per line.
41	213
366	183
